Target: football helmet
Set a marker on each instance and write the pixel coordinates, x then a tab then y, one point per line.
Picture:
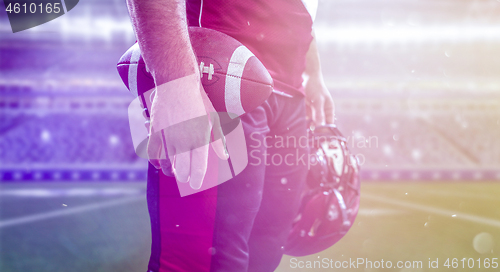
330	200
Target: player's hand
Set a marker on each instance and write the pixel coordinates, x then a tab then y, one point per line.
183	123
320	106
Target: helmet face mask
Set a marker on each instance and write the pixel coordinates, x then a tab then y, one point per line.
331	200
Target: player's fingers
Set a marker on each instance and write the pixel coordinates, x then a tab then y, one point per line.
219	141
172	160
318	109
154	153
329	111
166	168
206	101
182	166
154	150
147	124
309	112
155	163
166	156
144	114
219	146
199	162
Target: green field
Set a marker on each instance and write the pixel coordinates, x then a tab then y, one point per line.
398	221
416	221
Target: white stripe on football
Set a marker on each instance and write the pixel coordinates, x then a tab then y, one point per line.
233	78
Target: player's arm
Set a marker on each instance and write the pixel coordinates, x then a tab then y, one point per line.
162	35
321	108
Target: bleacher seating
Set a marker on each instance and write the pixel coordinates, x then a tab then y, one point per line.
412	107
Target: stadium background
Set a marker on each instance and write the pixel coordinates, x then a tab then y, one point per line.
417	91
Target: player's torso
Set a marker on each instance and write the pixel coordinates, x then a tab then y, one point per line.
278	32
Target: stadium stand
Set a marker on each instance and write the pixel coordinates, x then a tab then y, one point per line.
423	105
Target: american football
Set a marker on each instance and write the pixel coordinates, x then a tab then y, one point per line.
233	78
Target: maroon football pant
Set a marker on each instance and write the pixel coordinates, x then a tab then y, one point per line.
242	224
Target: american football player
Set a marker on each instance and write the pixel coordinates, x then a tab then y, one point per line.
242	224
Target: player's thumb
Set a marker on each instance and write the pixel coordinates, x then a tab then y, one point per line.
219	147
199	164
319	111
218	141
329	110
154	149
